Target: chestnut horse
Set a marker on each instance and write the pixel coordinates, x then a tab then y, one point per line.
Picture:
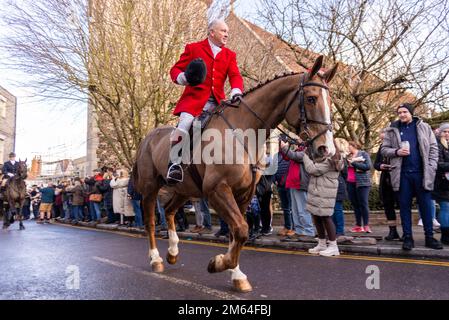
301	99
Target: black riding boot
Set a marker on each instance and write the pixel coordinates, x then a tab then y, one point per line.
175	173
393	235
445	236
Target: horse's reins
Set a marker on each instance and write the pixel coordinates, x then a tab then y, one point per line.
304	135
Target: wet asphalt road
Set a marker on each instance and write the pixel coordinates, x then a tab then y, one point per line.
40	262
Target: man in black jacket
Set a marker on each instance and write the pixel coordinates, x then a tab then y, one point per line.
10	168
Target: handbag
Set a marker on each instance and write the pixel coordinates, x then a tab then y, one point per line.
95	197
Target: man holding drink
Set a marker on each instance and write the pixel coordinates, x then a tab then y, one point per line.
412	147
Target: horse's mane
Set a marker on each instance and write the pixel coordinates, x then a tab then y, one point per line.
262	84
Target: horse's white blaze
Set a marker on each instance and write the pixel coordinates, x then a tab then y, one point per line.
237	274
327	118
154	256
173	241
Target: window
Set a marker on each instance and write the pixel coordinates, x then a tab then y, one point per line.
2	107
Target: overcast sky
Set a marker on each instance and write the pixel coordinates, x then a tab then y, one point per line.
56	130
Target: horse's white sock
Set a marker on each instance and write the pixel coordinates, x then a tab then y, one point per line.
154	256
173	241
237	274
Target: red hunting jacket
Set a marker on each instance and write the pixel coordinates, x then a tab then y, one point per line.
224	65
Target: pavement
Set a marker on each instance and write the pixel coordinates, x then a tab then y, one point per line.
57	261
366	244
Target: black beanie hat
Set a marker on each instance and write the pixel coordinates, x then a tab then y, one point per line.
407	106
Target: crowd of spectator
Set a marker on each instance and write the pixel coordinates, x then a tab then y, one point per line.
106	197
413	161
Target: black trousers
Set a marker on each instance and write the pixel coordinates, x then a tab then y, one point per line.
253	220
58	210
265	211
389	200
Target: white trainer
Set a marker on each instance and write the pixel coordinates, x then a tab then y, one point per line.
320	247
436	224
331	251
420	223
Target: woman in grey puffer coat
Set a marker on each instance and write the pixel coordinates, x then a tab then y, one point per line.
322	191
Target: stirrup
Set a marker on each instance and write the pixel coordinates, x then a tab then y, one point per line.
175	167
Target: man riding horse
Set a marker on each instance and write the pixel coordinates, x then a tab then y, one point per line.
301	99
13	189
203	69
10	169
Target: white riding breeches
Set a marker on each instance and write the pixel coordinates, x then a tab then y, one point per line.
186	120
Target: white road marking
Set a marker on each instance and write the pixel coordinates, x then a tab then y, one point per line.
188	284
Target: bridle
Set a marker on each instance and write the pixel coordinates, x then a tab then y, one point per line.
304	120
303	132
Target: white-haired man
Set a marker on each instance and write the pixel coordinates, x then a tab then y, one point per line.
203	68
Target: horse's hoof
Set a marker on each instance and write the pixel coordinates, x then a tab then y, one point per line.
242	285
158	267
171	259
22	228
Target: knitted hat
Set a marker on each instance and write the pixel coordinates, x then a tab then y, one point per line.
444	126
407	106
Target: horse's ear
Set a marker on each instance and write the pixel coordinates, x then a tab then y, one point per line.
317	66
329	74
19	160
26	160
